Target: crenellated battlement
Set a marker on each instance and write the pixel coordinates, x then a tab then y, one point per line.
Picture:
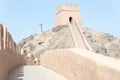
65	12
6	42
12	55
63	7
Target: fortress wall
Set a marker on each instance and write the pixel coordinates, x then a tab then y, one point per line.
1	37
8	62
78	64
11	55
67	7
64	12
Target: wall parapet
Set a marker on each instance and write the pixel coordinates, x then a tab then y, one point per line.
12	55
65	12
63	7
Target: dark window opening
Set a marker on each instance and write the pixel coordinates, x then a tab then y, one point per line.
70	19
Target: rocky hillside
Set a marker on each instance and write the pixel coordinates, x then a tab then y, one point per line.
60	38
103	43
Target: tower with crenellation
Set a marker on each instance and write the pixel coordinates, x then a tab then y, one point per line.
65	13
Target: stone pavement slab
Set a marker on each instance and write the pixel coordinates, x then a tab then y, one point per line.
34	73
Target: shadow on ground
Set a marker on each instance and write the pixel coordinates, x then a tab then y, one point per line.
17	74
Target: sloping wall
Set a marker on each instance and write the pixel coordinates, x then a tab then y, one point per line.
78	64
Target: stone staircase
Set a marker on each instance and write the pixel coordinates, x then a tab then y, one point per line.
78	36
79	40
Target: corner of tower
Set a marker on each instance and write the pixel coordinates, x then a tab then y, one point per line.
63	7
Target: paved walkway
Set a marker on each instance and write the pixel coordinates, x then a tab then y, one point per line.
34	73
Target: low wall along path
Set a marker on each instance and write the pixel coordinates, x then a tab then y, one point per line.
11	55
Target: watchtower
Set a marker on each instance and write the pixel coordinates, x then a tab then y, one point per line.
65	13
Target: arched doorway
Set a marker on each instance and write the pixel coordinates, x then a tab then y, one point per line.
70	19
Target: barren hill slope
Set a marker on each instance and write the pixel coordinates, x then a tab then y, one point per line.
60	38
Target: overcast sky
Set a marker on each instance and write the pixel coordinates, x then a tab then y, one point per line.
21	17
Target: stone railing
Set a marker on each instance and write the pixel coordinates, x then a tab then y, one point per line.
88	47
11	55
